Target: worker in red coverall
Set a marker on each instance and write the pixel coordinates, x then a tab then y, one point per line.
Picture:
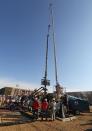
44	108
35	108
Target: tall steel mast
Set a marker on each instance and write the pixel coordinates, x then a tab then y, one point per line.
45	81
59	89
54	44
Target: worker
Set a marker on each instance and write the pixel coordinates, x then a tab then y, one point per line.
44	109
53	109
35	107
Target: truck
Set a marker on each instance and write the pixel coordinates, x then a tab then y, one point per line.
77	105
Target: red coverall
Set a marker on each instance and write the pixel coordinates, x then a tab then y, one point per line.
44	108
35	108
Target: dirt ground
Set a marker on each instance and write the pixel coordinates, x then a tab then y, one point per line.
82	123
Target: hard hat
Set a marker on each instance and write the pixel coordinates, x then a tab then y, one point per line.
45	99
53	99
36	98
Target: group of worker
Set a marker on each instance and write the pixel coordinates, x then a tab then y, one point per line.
44	106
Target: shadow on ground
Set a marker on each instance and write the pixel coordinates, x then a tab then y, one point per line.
15	119
88	129
86	123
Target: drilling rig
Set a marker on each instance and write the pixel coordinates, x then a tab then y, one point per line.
59	89
45	82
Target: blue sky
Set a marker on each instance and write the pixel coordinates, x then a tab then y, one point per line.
23	30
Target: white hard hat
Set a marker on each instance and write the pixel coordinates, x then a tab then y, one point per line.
53	99
45	99
36	98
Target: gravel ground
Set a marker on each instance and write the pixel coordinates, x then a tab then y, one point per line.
82	123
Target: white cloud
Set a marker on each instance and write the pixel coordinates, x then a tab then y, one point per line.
4	82
20	84
77	89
